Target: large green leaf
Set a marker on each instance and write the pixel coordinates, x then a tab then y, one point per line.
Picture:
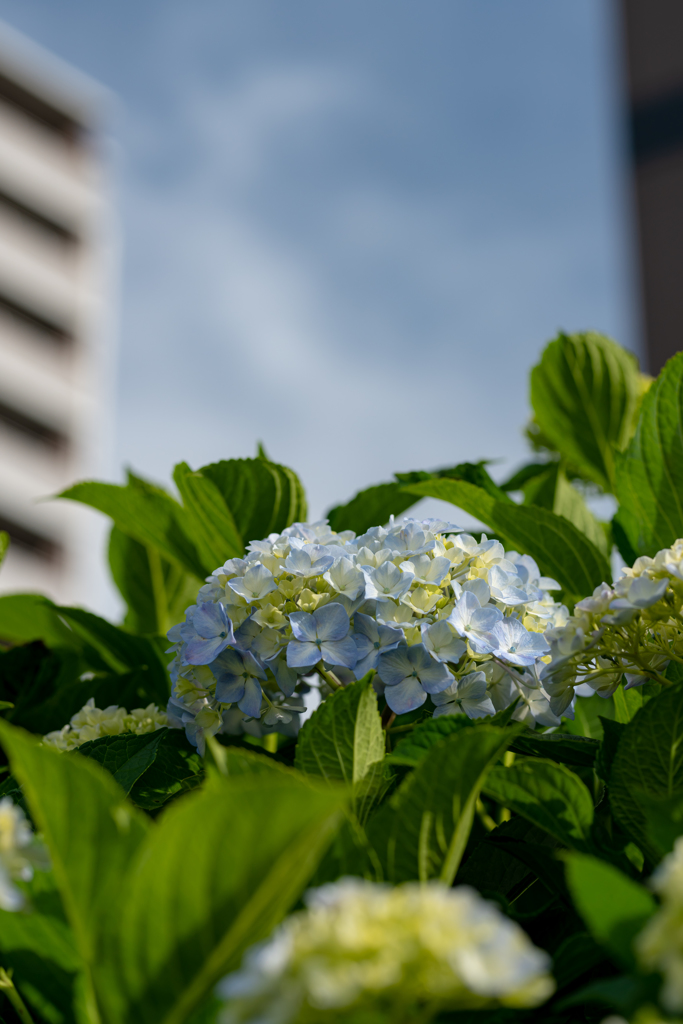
119	650
38	947
648	760
156	590
177	768
210	520
569	504
562	747
146	513
371	507
27	617
344	742
614	907
423	830
562	551
219	871
649	473
585	394
90	829
264	497
126	756
343	739
411	749
547	794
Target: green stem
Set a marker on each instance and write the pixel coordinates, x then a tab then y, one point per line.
7	986
329	677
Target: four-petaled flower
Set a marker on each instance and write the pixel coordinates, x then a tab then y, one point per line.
206	632
255	584
512	642
387	580
237	681
468	695
324	634
372	638
409	674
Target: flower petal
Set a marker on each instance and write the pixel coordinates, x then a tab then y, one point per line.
405	696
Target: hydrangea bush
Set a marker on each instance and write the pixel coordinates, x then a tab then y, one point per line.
388	771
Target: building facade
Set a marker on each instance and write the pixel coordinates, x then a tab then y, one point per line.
55	321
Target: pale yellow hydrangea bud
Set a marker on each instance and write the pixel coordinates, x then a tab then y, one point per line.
392	952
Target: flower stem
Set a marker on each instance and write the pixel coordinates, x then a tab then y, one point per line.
329	677
7	986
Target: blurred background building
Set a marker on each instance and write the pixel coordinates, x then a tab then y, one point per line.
53	311
653	36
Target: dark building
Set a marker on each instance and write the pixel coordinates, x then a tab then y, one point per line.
653	33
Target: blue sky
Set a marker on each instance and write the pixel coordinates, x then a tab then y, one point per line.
349	228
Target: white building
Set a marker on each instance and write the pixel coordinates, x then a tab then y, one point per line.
55	317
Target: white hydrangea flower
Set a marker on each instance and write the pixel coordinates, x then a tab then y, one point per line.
660	944
361	946
91	723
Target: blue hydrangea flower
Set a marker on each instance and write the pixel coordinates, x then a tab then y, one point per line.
512	642
324	634
372	639
237	681
410	673
206	633
468	695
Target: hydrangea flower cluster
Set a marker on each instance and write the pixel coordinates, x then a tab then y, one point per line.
90	723
391	952
633	629
20	853
660	944
433	610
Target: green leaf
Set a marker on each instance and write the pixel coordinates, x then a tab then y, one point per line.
90	830
180	932
614	907
39	950
562	747
649	473
176	769
126	756
155	590
423	831
146	513
416	745
343	738
562	551
210	520
27	617
649	757
569	504
585	393
371	507
4	544
547	794
522	476
263	497
663	819
626	704
612	733
471	472
577	955
119	650
343	741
